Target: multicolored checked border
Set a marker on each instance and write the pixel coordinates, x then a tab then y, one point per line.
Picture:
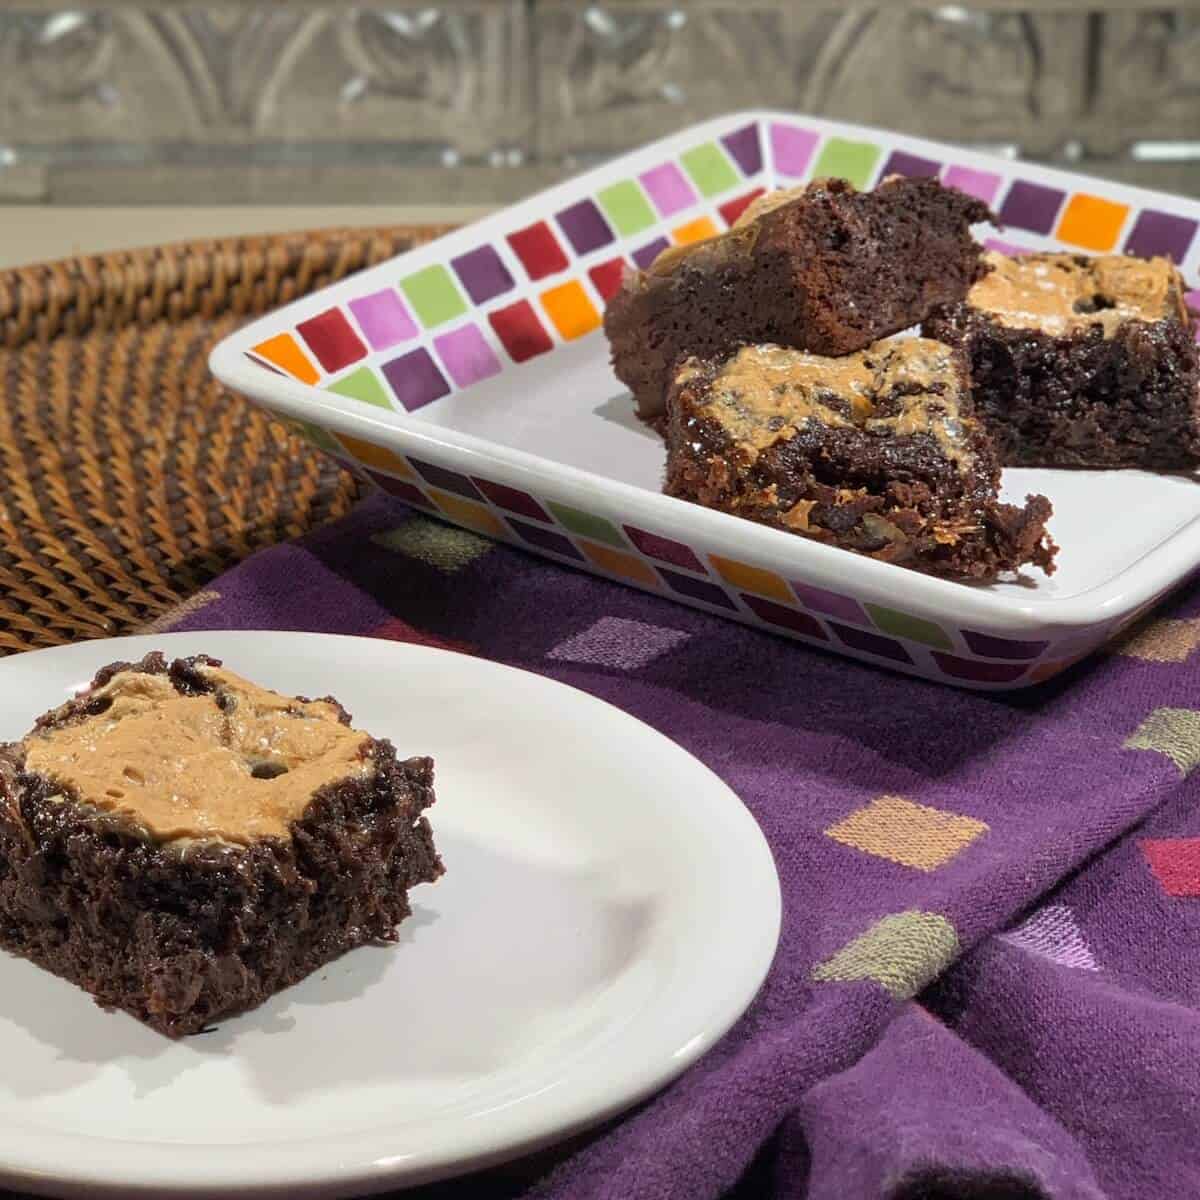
451	324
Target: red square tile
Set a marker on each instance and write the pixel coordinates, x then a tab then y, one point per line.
396	630
512	499
331	338
520	331
538	250
607	277
1175	863
733	209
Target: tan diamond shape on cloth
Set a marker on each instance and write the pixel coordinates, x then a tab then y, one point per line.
1174	732
902	952
911	834
1160	641
177	612
444	547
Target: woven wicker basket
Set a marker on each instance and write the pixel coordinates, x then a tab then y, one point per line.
130	478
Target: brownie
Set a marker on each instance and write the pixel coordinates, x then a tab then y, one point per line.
183	844
823	268
875	452
1080	362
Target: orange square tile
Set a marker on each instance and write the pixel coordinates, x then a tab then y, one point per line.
380	457
467	512
283	352
617	562
694	231
1092	222
753	579
913	835
570	309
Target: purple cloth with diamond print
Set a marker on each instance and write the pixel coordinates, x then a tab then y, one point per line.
988	983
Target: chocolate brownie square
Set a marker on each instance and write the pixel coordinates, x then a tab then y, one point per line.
875	452
1080	362
182	844
823	268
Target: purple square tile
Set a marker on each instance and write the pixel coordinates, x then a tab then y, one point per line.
983	185
447	480
482	273
1031	206
792	148
993	647
697	589
870	643
745	148
383	319
978	671
415	379
668	187
647	254
585	227
833	604
654	545
467	355
1160	233
785	618
545	539
902	163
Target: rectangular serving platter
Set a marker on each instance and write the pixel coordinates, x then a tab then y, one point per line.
470	378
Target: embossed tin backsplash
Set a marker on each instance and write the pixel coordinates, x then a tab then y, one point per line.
483	102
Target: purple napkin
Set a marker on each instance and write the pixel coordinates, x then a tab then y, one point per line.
989	973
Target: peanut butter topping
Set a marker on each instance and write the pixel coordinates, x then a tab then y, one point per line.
738	239
1060	293
895	388
233	765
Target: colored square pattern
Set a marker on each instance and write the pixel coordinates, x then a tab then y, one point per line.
483	273
753	579
1175	863
901	952
792	149
841	158
709	169
694	231
584	227
570	311
1092	222
618	643
1054	933
447	480
870	643
832	604
363	385
648	253
913	165
520	331
512	500
668	188
744	147
401	490
283	351
1173	732
606	277
655	546
987	646
732	209
538	249
626	206
384	320
587	525
976	670
474	516
618	562
434	296
415	379
784	618
330	337
1162	641
371	455
914	629
983	185
1031	206
545	539
912	835
697	589
1160	233
467	356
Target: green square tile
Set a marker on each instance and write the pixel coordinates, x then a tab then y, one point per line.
588	526
903	625
1173	732
626	207
446	548
710	170
843	159
434	296
363	385
901	952
316	436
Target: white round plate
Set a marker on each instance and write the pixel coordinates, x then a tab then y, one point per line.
609	909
